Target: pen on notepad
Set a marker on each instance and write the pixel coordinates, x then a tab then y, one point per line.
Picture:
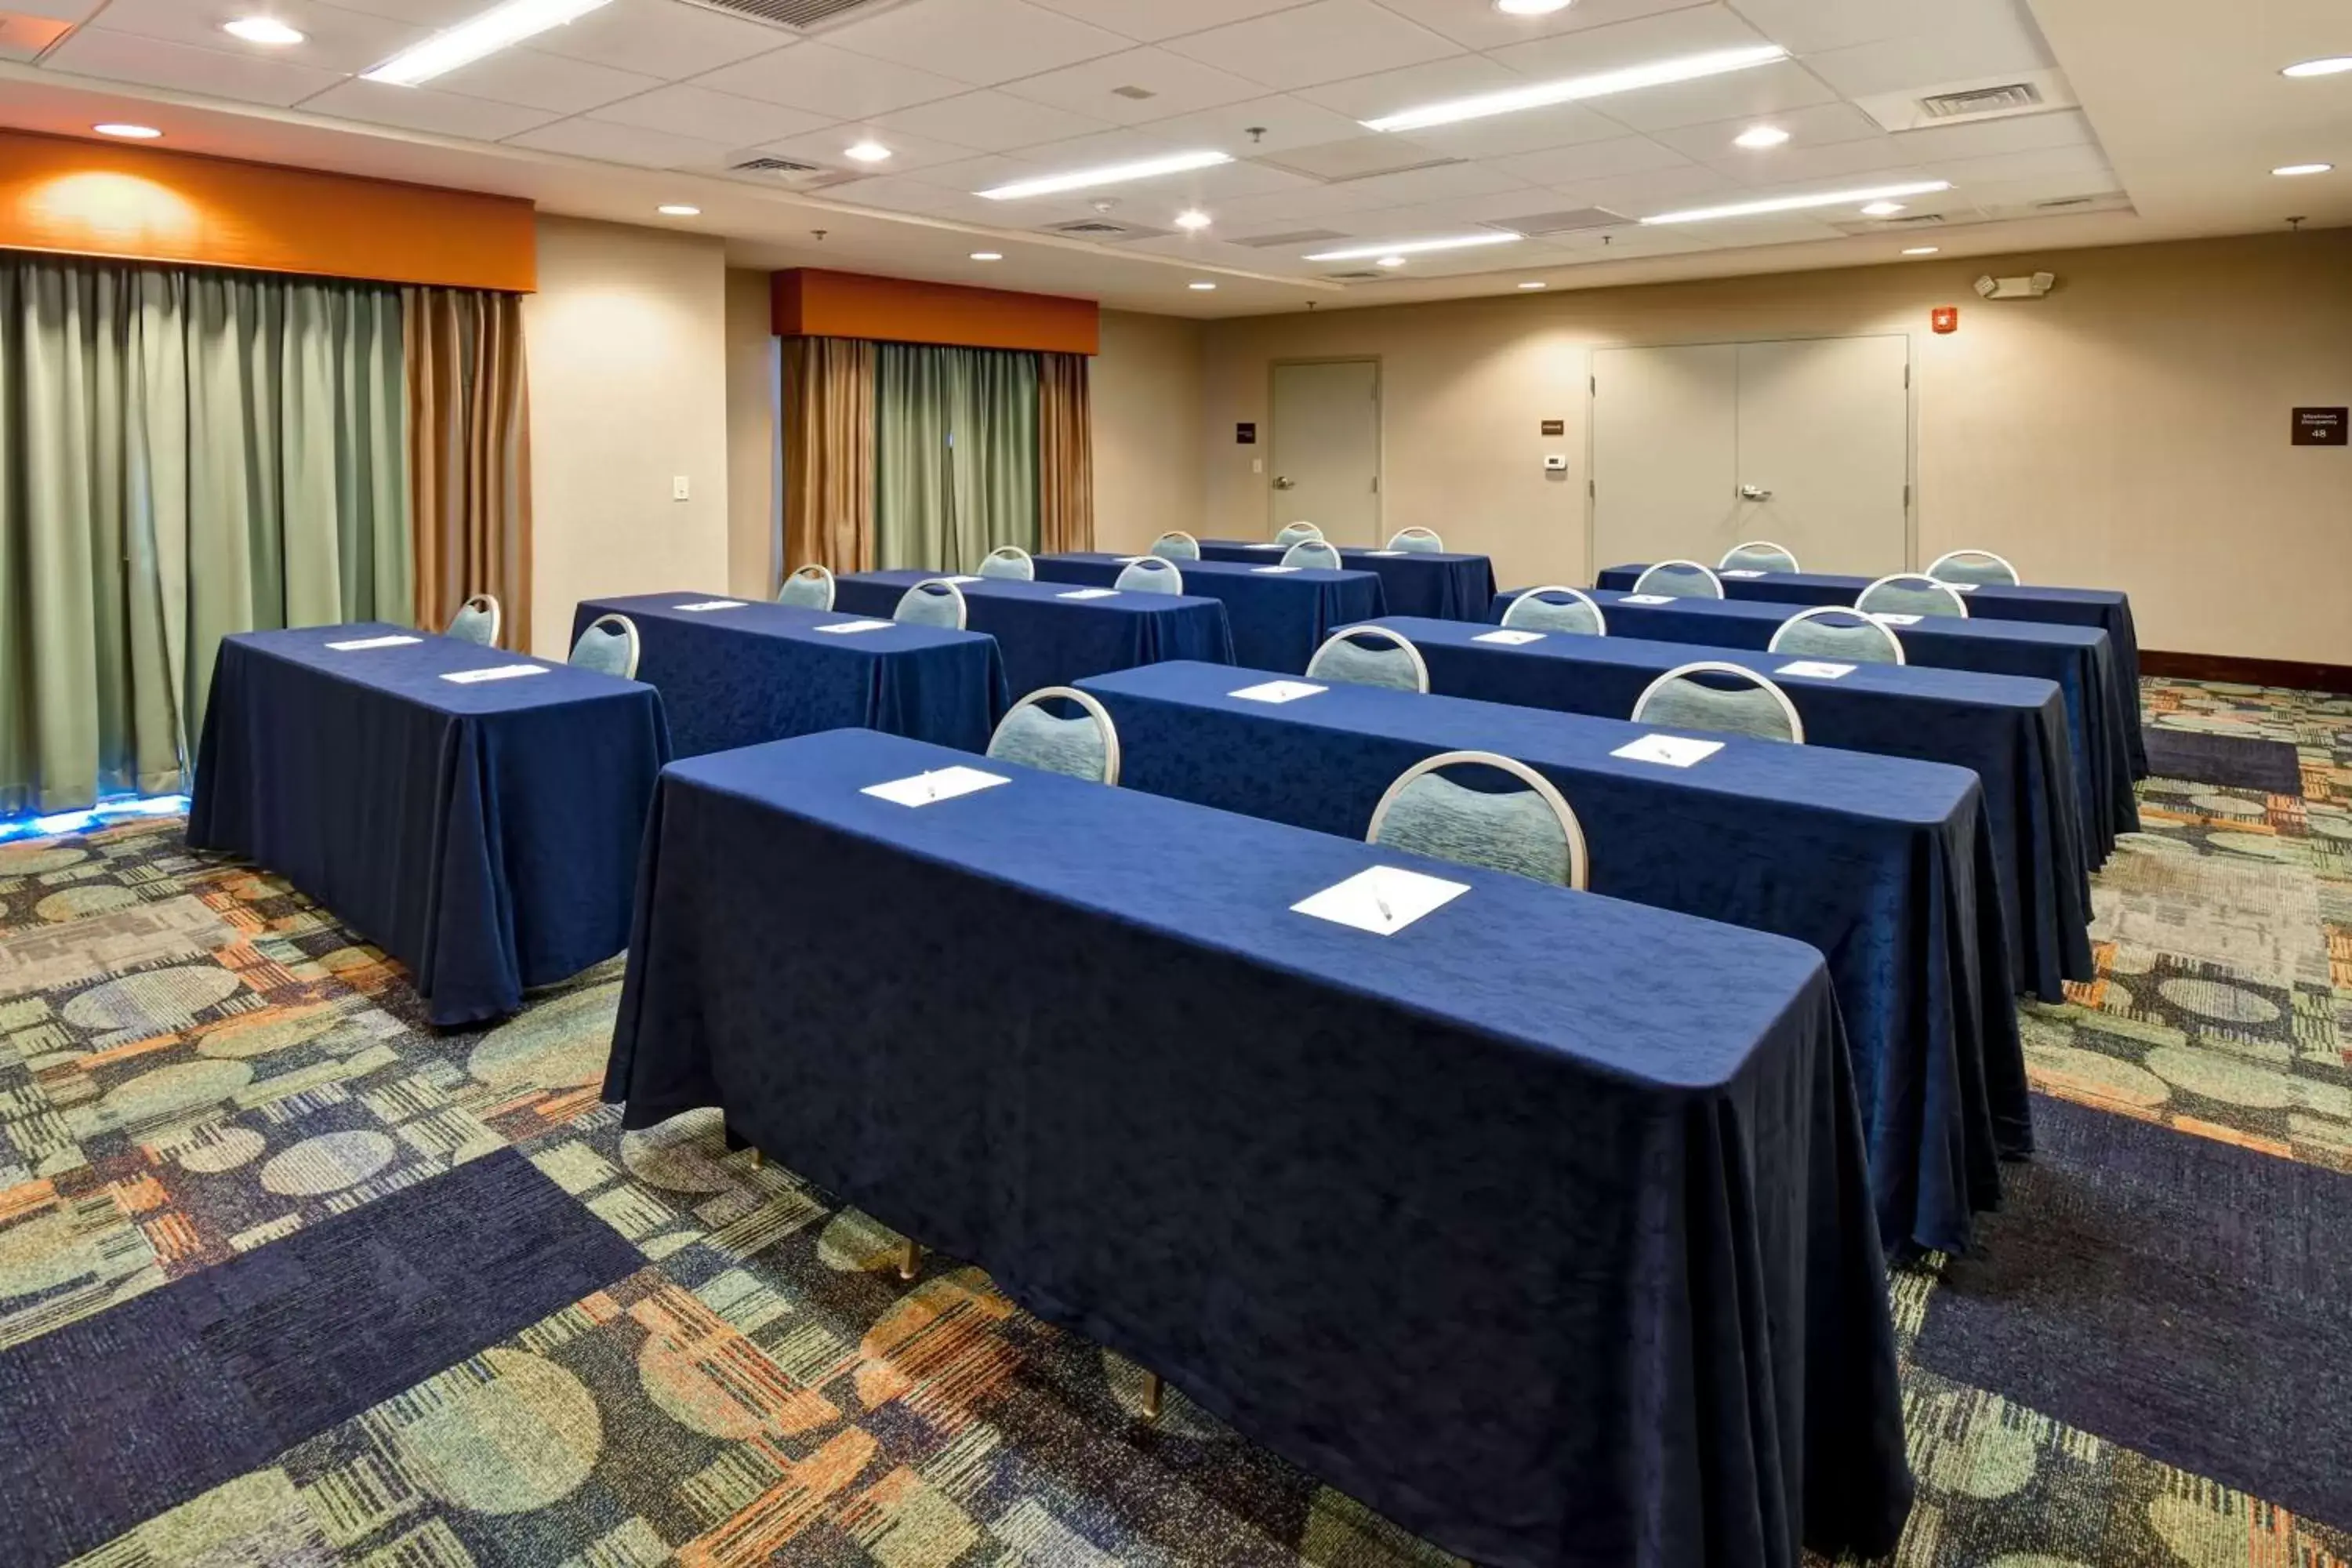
1388	915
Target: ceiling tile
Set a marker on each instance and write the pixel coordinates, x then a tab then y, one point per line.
151	62
989	121
1828	161
2004	195
1653	191
537	80
1782	228
2032	163
335	39
660	38
2000	45
1810	127
1503	135
1177	86
828	80
1807	26
1443	183
684	109
1149	21
1282	123
424	13
422	108
55	10
2019	133
1689	30
1593	161
613	143
1325	41
984	42
827	147
1632	243
1434	82
1766	89
1311	208
1481	26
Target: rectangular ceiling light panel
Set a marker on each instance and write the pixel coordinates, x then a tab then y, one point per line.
1575	88
500	28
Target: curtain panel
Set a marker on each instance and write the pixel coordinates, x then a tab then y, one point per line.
1066	454
468	454
955	455
829	439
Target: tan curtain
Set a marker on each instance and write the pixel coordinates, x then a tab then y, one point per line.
1065	455
469	454
829	453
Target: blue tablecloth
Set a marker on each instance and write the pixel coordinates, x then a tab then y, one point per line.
484	835
2079	659
2104	608
1541	1252
2011	732
1416	582
1279	618
1883	864
763	672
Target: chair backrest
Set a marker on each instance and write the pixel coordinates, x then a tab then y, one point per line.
1176	545
477	621
1293	532
1833	631
609	646
1979	566
933	602
1312	553
1152	574
1755	705
1342	658
1571	612
1911	593
1086	747
1758	555
1008	561
810	588
1528	832
1681	580
1420	539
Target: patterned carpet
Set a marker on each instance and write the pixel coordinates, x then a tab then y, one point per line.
248	1204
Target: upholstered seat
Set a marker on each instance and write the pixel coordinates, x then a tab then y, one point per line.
1911	593
1176	545
1009	562
933	602
477	621
1680	580
1982	567
1758	555
1293	532
1528	832
1833	631
1417	539
1312	553
1152	574
1084	747
1538	610
1344	659
810	588
1708	695
609	646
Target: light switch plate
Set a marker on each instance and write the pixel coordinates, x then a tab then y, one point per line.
679	488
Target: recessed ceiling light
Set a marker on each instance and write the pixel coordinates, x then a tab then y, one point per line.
1798	204
1390	261
1535	285
1106	174
261	30
484	34
1530	7
1921	249
1191	218
130	132
679	209
2291	170
1415	246
1203	287
1881	209
1759	136
1569	89
866	151
988	255
2333	65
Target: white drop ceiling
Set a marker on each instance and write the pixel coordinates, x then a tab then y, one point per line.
2159	120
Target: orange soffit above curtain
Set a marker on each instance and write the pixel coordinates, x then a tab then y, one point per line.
140	204
813	303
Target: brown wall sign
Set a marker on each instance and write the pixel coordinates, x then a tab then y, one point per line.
2319	427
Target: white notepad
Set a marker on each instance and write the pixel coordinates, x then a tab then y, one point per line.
1739	573
1819	670
357	643
1269	571
1508	635
1278	691
1089	593
1647	599
1673	751
930	788
1265	547
843	628
1896	620
963	577
1382	900
1384	551
697	608
496	672
1963	587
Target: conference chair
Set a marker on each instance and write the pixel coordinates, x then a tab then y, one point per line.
1297	531
933	602
1680	580
1573	612
1753	706
1084	747
1312	553
1417	540
1911	593
810	588
1979	566
477	621
1399	667
1009	562
1833	631
609	647
1176	545
1758	555
1528	832
1151	574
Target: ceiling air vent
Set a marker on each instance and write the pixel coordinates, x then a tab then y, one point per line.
1136	93
1970	102
1355	277
2007	98
801	14
2058	202
789	172
1567	222
1104	229
1912	219
773	167
1295	236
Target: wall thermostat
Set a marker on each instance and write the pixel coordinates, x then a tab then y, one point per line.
1555	464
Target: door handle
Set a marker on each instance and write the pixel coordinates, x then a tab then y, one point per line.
1284	482
1754	492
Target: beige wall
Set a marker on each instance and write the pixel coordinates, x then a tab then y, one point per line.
2129	430
754	541
627	343
1146	385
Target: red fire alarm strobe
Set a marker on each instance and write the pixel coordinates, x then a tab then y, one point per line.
1945	318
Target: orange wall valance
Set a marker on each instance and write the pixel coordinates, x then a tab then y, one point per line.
142	203
811	302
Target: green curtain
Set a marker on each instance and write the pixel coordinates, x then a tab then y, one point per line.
955	455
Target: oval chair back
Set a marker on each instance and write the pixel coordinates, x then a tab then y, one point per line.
810	588
1151	574
1572	612
1982	567
1528	832
1009	562
1680	580
1312	553
1758	555
1911	593
1399	666
933	602
608	645
1086	747
1418	541
1753	707
1176	545
1833	631
477	621
1294	532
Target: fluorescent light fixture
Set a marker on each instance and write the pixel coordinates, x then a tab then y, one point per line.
2334	64
1881	209
1202	287
1390	261
128	133
262	31
1798	204
486	34
1191	218
679	209
1530	7
988	255
1108	175
1921	249
1535	285
1570	89
1760	136
1416	246
2290	170
868	152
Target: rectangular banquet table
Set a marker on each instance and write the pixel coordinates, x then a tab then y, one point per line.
1049	640
2105	609
752	672
485	835
1279	618
2011	732
1450	586
1542	1259
2079	659
1883	864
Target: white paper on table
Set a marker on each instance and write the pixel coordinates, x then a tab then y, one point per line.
1963	587
1647	599
1673	751
1384	553
961	577
1265	547
1382	900
1270	571
843	628
701	605
1089	593
930	788
1896	620
1278	692
1739	572
496	672
1509	636
1819	670
357	643
1128	559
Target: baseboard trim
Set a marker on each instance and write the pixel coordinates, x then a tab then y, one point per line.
2288	672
